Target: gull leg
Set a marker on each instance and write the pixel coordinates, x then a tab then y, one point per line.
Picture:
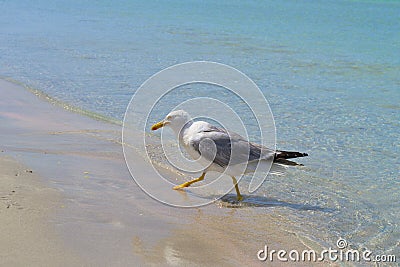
190	182
239	196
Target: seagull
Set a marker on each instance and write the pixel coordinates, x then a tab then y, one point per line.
220	150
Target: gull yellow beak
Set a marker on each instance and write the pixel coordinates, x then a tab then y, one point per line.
158	125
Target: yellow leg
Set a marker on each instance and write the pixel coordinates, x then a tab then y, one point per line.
239	196
190	182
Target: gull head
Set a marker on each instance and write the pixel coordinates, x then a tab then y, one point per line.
175	119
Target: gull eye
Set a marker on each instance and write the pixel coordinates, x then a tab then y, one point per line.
169	117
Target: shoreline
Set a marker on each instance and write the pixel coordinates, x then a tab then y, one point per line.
62	104
107	218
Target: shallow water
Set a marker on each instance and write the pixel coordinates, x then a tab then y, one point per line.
330	71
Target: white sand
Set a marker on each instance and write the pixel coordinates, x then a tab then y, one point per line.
27	238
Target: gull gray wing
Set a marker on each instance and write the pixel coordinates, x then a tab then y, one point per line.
226	148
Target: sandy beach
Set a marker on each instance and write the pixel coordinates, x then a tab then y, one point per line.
79	205
26	207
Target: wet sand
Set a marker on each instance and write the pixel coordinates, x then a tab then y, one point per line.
28	238
92	212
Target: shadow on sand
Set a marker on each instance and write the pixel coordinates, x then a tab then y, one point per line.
259	201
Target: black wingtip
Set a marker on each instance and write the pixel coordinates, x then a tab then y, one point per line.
289	155
287	162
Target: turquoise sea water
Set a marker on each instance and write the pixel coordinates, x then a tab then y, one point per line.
330	70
